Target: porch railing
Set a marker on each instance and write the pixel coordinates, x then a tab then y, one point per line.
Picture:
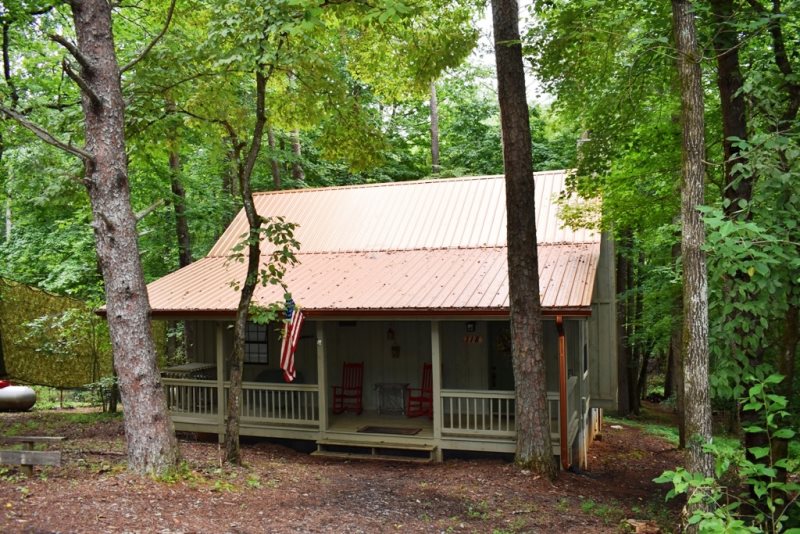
191	397
478	413
292	404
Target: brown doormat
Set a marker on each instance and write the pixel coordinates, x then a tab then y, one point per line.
403	431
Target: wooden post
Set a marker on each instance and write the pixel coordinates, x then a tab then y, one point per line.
27	470
220	384
563	412
322	379
436	362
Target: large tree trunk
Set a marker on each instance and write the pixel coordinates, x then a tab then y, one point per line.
236	359
732	105
533	433
148	428
435	167
695	276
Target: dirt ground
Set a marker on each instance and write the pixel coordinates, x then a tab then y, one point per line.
283	490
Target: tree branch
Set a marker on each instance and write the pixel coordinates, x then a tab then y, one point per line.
46	136
224	123
149	209
73	50
258	128
155	40
81	83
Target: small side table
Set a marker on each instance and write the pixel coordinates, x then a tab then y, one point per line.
391	397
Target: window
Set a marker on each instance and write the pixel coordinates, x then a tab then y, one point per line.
255	343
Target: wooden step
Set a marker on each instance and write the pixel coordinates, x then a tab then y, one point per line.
364	450
365	456
377	444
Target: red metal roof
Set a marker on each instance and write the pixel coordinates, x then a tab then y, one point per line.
458	212
429	247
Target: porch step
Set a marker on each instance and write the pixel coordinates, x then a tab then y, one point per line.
355	450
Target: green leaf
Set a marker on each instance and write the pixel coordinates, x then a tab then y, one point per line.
759	452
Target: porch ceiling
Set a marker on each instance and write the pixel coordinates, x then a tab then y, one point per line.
451	280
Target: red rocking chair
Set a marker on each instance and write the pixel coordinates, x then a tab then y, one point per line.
420	400
348	395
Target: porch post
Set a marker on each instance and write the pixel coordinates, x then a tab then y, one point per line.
436	364
322	379
220	384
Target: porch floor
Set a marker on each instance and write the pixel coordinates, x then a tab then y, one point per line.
348	423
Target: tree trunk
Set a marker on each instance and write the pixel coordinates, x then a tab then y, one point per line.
14	96
533	433
635	352
695	276
148	428
641	383
676	351
276	168
7	200
435	167
236	358
230	179
669	374
179	205
297	167
623	349
786	367
732	105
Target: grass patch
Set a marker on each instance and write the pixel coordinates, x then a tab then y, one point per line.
49	398
609	513
655	425
91	418
655	428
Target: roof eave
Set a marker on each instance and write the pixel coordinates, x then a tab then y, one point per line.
572	311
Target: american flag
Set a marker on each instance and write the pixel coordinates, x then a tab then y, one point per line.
291	334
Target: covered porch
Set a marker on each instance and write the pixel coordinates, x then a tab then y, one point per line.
472	386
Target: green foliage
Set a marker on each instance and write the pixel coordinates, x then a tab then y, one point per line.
274	232
102	390
748	492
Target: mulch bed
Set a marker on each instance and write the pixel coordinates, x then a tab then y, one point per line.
283	490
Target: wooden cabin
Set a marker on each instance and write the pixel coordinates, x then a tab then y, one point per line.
409	279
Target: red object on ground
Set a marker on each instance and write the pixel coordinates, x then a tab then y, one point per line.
4	383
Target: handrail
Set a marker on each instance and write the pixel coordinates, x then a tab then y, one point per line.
189	382
478	393
277	386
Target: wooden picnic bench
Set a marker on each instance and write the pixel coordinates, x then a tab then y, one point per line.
26	458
